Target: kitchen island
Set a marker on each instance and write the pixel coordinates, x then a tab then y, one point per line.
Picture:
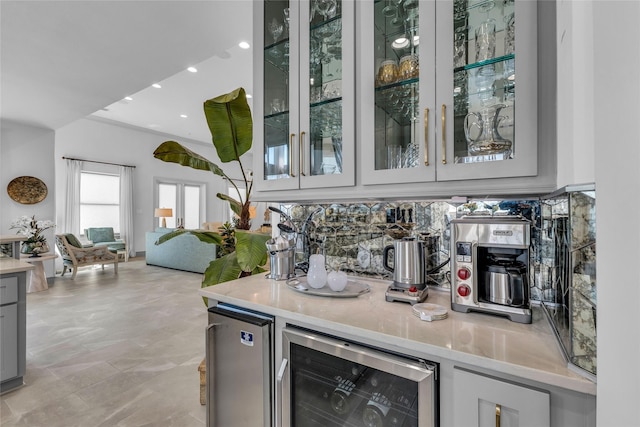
493	347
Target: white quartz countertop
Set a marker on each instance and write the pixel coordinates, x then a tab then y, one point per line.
12	265
526	351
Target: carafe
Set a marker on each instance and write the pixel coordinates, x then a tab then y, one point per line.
317	273
481	131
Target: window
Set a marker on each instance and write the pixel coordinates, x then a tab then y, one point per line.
185	199
99	201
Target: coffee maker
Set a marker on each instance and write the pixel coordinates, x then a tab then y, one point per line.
490	266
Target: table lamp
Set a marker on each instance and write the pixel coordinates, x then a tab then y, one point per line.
163	213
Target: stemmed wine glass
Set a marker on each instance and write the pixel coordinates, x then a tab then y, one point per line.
275	28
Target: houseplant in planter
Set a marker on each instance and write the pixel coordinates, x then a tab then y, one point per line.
229	119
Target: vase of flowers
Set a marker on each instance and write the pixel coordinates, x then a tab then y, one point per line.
33	229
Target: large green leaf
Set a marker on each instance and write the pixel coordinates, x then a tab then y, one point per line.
235	205
173	152
251	249
222	270
230	123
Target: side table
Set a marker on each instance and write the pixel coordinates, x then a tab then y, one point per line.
37	277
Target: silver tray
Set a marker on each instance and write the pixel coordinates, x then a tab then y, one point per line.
352	290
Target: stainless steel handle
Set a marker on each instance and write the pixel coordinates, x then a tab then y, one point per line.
498	408
426	137
209	376
279	377
302	153
291	154
444	139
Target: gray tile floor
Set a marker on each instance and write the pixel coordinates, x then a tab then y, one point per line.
107	350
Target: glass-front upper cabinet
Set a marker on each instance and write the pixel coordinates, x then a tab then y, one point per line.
397	53
304	106
440	90
483	134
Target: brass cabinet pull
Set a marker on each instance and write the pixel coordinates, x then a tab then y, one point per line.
498	408
426	137
302	153
291	174
444	139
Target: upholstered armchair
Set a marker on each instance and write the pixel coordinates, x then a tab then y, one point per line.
74	255
104	236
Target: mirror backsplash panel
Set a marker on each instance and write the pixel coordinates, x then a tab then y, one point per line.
352	237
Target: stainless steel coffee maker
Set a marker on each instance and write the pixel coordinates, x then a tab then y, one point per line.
490	266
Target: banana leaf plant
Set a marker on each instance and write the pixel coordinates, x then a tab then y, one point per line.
229	119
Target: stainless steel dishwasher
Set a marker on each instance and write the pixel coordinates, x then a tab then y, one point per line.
239	377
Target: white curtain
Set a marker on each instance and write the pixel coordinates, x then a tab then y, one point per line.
72	206
126	207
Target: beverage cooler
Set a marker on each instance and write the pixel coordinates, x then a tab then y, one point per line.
325	381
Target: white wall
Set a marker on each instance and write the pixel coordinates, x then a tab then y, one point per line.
575	74
27	151
97	140
616	49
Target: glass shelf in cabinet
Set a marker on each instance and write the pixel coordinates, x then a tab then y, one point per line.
495	60
396	84
278	56
277	120
325	102
328	22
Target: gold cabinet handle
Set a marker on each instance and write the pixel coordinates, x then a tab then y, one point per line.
302	153
444	139
426	137
291	174
498	408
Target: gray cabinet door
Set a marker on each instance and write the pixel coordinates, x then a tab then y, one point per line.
9	347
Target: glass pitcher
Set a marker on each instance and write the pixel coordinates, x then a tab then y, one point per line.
481	131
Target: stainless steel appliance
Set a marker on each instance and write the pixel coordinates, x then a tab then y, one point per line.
490	266
326	381
239	353
409	271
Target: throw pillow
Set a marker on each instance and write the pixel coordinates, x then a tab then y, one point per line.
73	240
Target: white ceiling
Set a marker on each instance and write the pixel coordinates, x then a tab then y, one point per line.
65	60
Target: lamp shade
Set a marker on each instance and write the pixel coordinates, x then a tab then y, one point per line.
163	212
252	212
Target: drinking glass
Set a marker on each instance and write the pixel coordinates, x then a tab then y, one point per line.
486	40
459	50
275	28
510	34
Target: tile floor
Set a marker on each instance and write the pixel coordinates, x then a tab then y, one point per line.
107	350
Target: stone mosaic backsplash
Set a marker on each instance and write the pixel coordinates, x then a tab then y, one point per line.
562	257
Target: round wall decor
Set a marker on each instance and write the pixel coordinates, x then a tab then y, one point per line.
27	190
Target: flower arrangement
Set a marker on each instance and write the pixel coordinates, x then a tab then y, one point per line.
32	229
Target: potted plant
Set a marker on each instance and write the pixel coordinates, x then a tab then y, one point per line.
229	119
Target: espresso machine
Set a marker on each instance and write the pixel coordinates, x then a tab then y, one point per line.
490	266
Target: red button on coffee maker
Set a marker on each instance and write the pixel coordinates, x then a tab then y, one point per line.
464	290
464	273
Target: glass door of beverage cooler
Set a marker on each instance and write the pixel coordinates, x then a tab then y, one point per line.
332	383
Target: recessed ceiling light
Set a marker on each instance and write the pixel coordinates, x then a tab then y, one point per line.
184	116
156	85
249	96
244	45
192	69
128	98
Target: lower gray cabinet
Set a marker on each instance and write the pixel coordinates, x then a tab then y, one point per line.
484	401
13	329
9	348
